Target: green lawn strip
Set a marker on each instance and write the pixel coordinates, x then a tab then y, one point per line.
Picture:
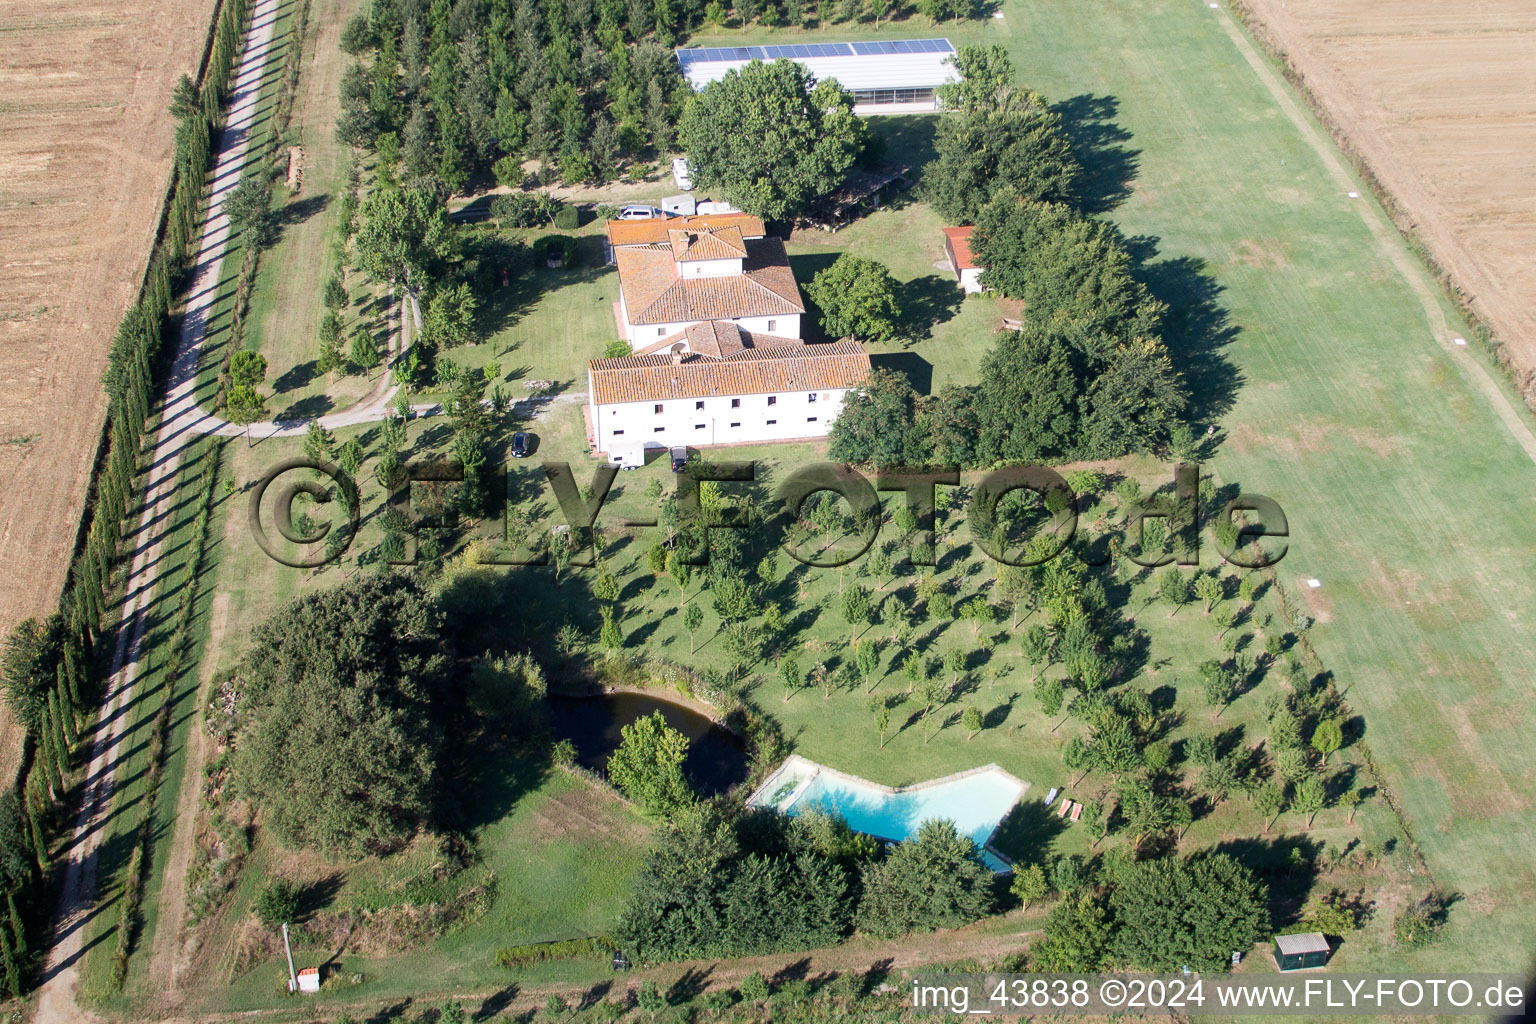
122	827
288	299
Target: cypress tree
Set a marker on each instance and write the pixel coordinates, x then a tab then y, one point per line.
44	756
12	968
55	727
18	927
35	833
71	666
66	710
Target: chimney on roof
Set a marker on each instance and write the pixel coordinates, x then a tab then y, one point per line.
677	352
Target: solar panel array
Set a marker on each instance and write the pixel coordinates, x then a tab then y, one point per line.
803	51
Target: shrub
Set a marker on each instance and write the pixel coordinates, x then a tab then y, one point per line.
567	218
562	244
277	903
1418	924
566	949
335	292
524	209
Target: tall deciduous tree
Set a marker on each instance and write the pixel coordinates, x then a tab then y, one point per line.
342	731
648	766
875	426
857	298
936	879
401	233
1017	149
771	138
1171	914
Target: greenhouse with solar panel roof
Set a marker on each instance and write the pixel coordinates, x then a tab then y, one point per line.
897	76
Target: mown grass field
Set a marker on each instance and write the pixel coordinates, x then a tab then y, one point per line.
1405	492
288	300
1378	441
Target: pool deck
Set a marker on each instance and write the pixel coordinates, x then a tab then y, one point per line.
796	773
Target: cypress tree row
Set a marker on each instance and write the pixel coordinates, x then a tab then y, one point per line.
67	710
12	968
61	670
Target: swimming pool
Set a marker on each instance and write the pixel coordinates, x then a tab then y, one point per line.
976	801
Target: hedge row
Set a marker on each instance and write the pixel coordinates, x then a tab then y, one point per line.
566	949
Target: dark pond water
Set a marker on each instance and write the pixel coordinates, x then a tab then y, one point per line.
716	759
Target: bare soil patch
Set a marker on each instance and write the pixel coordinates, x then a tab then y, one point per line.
1440	101
85	156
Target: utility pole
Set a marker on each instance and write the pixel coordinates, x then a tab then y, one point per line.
293	979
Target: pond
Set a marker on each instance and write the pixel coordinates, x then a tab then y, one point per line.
716	758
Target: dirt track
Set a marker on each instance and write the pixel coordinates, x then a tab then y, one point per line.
1440	100
85	156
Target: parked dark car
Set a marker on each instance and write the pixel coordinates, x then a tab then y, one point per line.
520	445
679	459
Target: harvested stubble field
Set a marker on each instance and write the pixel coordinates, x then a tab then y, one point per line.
85	156
1440	101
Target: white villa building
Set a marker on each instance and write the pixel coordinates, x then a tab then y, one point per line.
696	269
711	311
716	383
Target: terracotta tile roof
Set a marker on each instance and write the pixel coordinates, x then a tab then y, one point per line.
784	365
714	244
654	231
960	246
655	294
719	338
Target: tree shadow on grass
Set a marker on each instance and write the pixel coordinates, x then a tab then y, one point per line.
1026	834
1196	328
905	139
1109	165
305	409
925	302
917	370
490	779
318	895
1287	866
297	377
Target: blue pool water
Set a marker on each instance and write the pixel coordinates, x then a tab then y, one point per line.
975	804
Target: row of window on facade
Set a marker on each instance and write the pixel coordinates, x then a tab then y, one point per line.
704	426
735	403
865	97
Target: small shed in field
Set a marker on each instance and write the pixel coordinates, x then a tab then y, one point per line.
957	246
309	979
1298	952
